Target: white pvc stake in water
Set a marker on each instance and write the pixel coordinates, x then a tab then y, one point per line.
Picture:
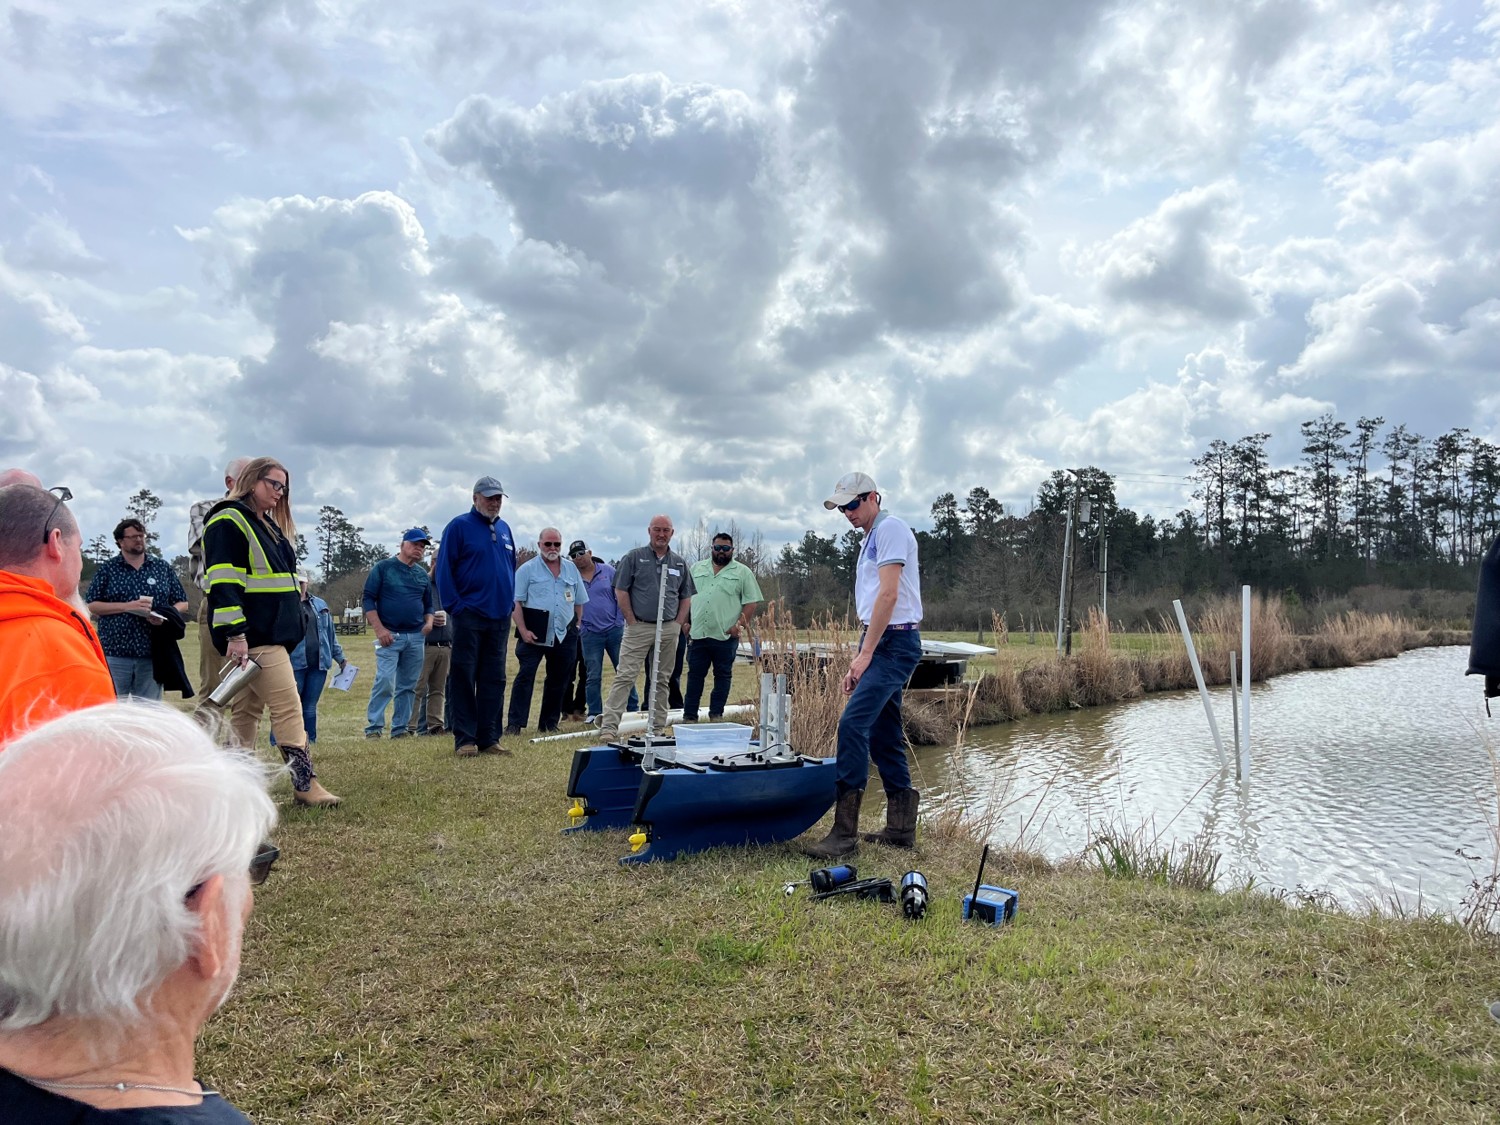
1234	707
1244	750
1208	708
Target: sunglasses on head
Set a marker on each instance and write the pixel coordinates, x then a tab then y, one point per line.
854	504
63	493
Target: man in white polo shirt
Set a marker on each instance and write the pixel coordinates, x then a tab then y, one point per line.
888	598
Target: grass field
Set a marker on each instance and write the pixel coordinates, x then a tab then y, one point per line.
434	951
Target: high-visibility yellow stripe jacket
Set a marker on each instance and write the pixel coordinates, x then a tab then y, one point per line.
252	581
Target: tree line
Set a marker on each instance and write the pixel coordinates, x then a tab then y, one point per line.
1363	506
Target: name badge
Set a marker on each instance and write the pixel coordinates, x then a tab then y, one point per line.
673	572
150	582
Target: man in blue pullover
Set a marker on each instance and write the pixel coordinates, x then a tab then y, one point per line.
476	580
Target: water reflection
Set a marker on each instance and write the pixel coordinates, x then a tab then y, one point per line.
1364	782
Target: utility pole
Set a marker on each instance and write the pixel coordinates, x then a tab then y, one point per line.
1104	573
1062	590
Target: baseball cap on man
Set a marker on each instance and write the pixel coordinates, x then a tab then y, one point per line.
849	486
416	535
489	486
576	548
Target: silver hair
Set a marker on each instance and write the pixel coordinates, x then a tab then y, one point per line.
233	470
112	815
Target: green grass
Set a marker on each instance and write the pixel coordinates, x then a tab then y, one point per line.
434	951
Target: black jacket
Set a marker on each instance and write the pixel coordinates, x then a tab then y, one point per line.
167	668
252	587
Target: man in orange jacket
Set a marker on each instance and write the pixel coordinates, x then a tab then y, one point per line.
52	662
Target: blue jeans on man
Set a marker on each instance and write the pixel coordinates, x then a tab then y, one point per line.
594	646
559	656
133	676
397	668
871	723
310	683
705	653
476	678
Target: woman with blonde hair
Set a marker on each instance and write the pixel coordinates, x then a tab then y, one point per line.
255	611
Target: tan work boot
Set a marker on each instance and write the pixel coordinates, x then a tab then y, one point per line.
316	796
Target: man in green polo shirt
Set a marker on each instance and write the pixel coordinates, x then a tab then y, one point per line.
726	599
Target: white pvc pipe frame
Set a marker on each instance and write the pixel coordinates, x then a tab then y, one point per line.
1187	636
1242	745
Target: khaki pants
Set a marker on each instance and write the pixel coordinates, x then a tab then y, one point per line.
209	660
275	688
432	685
635	647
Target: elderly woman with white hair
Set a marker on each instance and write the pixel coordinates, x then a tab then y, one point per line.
130	847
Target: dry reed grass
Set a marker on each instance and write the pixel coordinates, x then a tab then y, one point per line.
814	680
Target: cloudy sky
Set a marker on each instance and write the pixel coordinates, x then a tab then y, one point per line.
704	257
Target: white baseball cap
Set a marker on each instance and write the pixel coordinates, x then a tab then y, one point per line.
849	486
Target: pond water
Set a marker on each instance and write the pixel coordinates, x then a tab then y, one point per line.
1371	783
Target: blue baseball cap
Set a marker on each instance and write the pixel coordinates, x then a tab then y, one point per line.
416	535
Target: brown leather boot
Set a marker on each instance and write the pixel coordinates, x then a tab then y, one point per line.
900	829
316	796
843	839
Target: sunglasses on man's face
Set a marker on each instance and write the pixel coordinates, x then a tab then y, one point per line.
551	542
260	866
854	504
718	550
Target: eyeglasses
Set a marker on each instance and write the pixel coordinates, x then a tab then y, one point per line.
551	542
277	486
854	504
260	866
63	493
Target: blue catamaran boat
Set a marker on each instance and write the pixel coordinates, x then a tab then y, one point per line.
710	787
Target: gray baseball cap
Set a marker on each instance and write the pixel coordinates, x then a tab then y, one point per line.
489	486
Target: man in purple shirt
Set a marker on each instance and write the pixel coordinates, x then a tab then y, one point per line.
602	627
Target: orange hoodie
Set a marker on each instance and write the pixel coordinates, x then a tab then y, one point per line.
50	660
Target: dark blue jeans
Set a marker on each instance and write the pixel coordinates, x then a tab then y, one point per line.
477	677
871	724
310	683
704	653
559	657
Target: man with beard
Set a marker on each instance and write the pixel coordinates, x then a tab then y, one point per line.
550	596
126	597
53	662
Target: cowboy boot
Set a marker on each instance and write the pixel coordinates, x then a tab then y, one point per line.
900	829
843	838
316	796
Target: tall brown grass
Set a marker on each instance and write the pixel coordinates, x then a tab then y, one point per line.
814	679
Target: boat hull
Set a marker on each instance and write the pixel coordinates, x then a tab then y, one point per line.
682	809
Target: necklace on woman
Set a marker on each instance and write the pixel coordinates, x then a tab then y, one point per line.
121	1087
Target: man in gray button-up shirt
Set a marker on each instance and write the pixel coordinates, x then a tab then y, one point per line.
638	578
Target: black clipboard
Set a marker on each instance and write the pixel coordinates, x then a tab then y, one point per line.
539	621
